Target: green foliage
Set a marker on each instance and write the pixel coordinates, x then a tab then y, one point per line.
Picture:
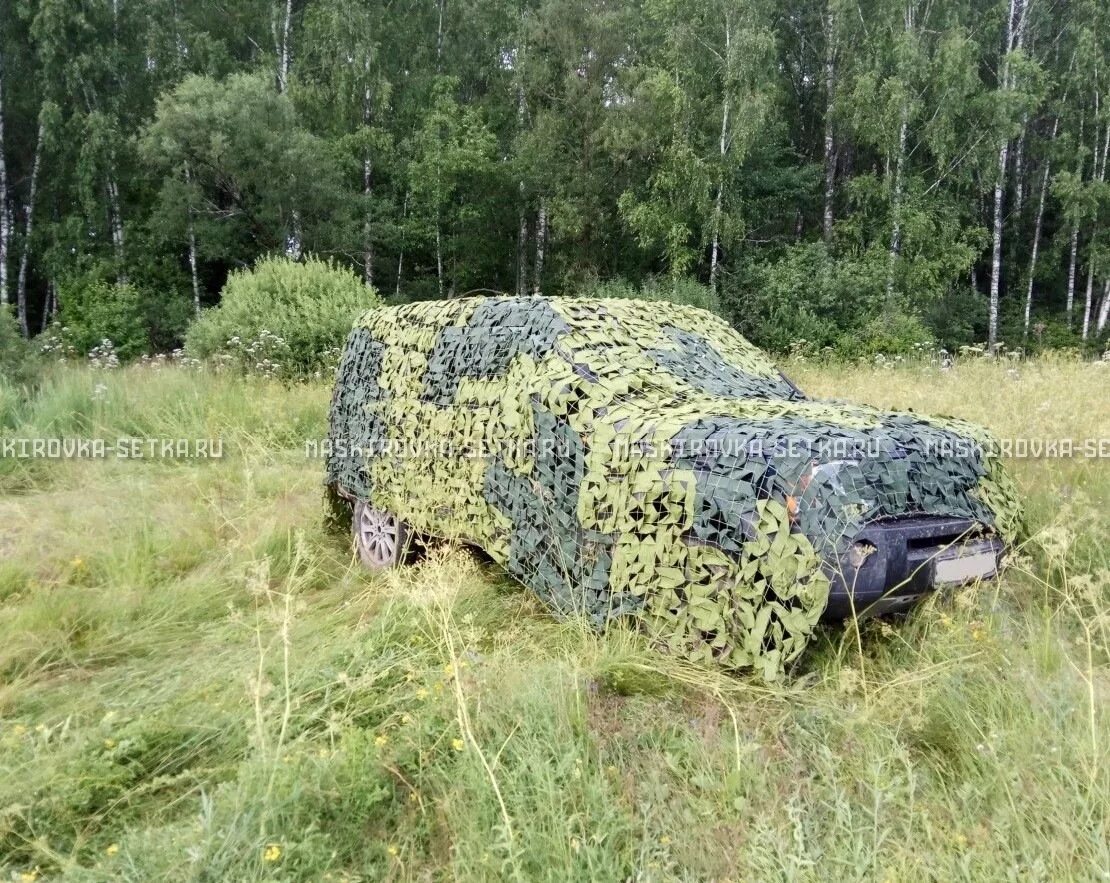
284	313
887	334
95	310
18	364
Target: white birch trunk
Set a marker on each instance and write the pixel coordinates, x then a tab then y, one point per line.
283	49
367	185
521	244
1015	35
718	201
1037	235
439	255
1070	303
192	236
896	208
1090	294
996	247
1104	308
1019	168
401	251
830	143
442	6
5	214
28	228
541	241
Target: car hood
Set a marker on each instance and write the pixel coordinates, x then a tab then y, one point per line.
837	467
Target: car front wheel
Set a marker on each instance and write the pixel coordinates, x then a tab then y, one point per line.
381	537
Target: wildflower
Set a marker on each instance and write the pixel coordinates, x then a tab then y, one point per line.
458	744
413	797
665	840
112	849
109	744
272	853
381	739
421	693
29	876
392	850
78	563
19	730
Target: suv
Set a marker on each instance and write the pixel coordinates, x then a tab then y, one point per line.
641	459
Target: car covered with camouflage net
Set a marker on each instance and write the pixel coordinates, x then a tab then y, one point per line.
631	459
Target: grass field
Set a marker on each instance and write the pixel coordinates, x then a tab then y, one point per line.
197	683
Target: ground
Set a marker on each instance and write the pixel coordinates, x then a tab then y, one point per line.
198	682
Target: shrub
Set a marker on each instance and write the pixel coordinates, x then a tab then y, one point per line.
888	334
95	310
18	365
282	317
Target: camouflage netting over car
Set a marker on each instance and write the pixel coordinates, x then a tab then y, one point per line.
625	458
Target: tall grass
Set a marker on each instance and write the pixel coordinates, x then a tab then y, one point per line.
196	682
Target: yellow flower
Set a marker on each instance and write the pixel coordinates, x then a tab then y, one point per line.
109	744
458	744
413	797
381	739
665	840
272	852
78	563
29	876
392	850
19	730
421	693
112	849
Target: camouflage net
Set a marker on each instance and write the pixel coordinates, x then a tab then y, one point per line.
638	459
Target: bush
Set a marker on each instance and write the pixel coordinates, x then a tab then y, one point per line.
888	334
283	317
95	310
18	365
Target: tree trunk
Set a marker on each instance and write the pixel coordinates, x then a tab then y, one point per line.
830	143
29	227
1099	174
442	7
996	249
521	245
718	201
1019	169
367	184
115	220
283	49
401	251
1015	35
1070	303
5	214
1090	293
541	241
439	255
1104	308
896	208
192	235
51	305
1037	235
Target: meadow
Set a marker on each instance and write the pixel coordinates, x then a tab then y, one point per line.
197	682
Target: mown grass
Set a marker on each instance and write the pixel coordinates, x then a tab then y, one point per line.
197	683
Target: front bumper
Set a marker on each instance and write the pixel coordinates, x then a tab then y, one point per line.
907	558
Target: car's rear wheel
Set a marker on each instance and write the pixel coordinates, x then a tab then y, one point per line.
381	538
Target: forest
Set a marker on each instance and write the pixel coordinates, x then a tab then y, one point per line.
873	174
